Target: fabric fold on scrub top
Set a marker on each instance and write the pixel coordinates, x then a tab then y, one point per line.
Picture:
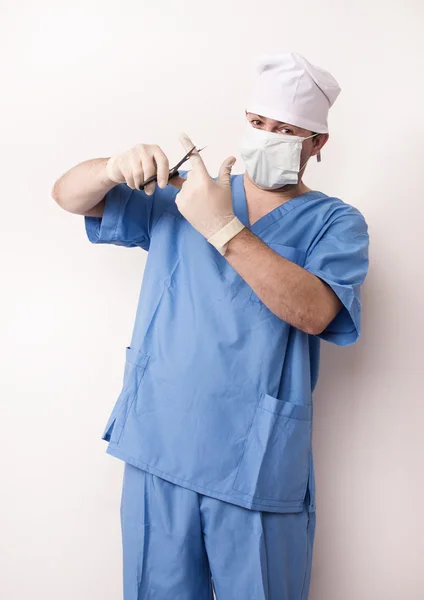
217	390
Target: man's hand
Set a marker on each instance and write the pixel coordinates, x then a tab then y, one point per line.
205	203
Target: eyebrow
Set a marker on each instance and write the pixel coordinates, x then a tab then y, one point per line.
279	122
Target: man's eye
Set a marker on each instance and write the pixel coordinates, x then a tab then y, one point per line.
255	122
288	131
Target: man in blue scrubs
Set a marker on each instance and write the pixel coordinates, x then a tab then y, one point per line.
245	274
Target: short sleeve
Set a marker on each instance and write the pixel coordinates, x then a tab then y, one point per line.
125	220
340	258
130	215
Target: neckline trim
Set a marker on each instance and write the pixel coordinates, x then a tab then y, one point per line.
241	211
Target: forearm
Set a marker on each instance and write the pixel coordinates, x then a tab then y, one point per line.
83	187
288	290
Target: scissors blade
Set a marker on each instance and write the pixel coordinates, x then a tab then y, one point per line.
185	158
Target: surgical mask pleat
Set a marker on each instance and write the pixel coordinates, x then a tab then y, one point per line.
272	160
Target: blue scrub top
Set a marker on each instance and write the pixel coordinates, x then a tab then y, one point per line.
217	390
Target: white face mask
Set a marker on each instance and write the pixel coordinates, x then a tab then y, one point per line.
272	160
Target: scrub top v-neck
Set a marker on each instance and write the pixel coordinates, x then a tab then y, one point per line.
261	224
217	390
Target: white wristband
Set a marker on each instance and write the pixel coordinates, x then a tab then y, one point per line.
224	235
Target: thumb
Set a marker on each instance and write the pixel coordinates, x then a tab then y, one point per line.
177	181
224	175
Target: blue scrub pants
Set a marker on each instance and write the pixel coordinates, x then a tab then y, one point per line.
180	545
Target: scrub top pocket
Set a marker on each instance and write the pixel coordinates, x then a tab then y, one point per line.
275	463
296	255
135	366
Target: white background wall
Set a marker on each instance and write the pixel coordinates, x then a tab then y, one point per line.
85	79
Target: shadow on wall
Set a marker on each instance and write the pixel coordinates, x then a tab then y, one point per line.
349	388
350	437
345	370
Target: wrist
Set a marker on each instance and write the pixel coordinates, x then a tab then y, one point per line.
108	177
221	238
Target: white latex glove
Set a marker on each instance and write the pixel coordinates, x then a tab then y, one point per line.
138	164
205	203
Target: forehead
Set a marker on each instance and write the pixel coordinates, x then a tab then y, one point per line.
274	123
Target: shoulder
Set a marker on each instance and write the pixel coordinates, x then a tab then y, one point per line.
334	210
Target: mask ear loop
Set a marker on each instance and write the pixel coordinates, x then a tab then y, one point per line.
301	168
319	153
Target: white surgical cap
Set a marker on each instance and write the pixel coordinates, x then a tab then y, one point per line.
290	89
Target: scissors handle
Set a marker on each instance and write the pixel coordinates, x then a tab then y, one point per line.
172	172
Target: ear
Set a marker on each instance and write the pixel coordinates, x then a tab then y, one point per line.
318	143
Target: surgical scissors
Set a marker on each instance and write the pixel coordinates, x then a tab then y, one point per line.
174	171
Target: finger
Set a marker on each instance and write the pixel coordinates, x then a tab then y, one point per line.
162	166
224	175
137	170
195	158
127	172
150	188
149	169
177	181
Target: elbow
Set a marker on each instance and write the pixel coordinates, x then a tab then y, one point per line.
313	328
58	198
303	320
313	324
55	194
316	329
305	323
316	319
319	324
